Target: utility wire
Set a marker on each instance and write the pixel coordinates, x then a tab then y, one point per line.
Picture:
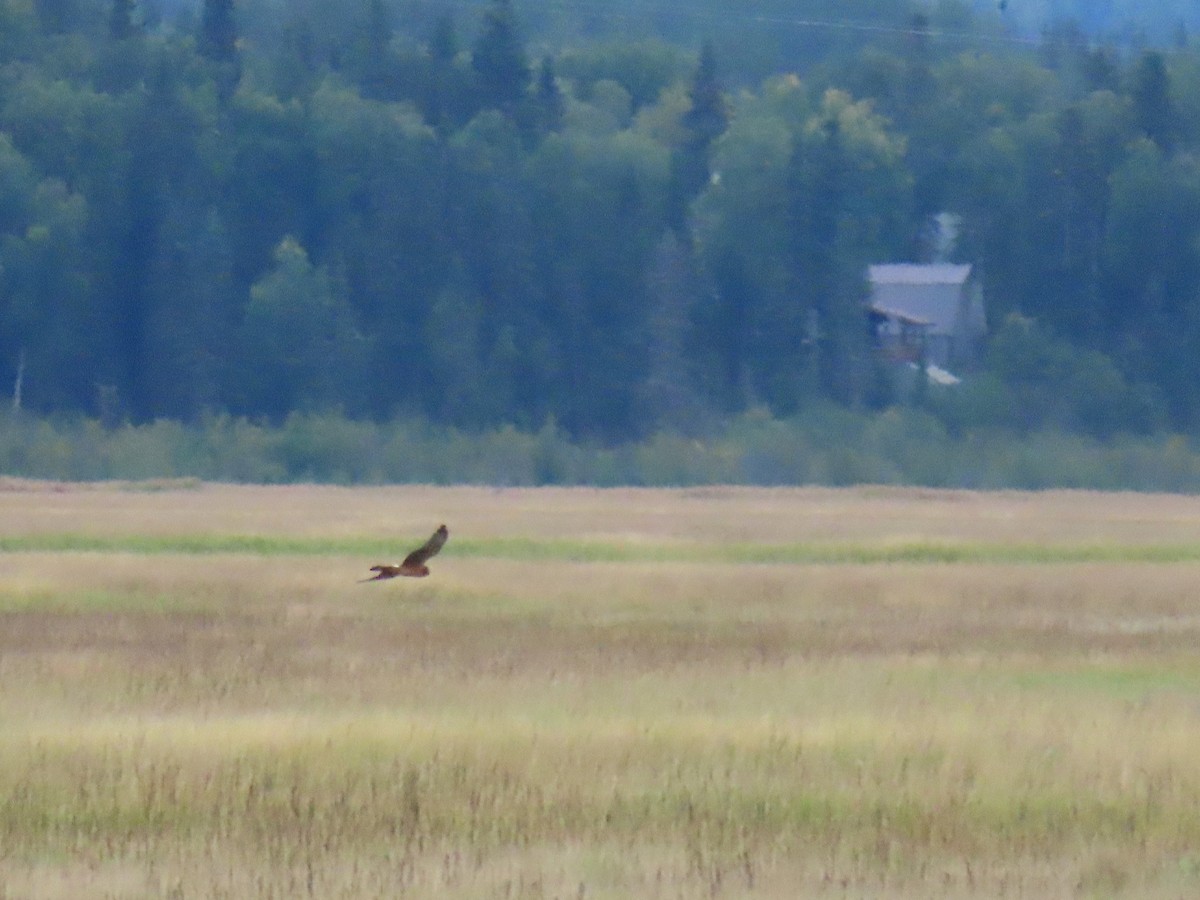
637	13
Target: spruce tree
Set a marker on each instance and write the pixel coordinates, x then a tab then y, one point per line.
375	71
218	31
56	16
499	60
548	98
379	28
1152	101
708	116
120	20
443	43
706	120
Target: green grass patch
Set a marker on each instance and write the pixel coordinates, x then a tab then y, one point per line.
93	601
1116	683
567	550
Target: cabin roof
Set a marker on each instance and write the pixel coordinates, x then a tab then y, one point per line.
934	295
919	273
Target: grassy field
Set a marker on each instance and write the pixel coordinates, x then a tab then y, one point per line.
598	694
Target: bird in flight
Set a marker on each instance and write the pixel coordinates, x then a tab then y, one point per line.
414	564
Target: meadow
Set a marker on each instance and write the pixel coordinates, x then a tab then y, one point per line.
710	692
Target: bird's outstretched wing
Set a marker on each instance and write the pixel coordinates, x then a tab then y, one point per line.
414	564
428	549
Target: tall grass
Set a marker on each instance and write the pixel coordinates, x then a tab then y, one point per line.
184	719
723	807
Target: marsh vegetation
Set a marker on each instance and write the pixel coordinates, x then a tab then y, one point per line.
599	693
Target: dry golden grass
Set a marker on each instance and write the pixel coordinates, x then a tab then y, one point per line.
774	515
259	725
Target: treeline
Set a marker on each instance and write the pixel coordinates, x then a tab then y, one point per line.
824	445
413	212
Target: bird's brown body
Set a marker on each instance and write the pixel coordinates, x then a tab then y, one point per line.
414	564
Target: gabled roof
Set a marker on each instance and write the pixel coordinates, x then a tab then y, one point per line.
919	273
932	293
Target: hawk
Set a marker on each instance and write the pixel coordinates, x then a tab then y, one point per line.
414	564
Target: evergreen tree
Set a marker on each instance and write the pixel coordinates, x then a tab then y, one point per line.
443	44
708	116
375	71
1075	212
548	98
56	16
445	90
667	396
499	61
706	119
159	152
1151	100
296	66
218	31
379	27
726	331
817	191
218	43
120	20
1100	68
919	85
121	63
196	306
458	391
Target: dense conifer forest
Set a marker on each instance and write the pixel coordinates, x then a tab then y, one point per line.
607	223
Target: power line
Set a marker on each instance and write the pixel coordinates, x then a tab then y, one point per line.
875	28
636	13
